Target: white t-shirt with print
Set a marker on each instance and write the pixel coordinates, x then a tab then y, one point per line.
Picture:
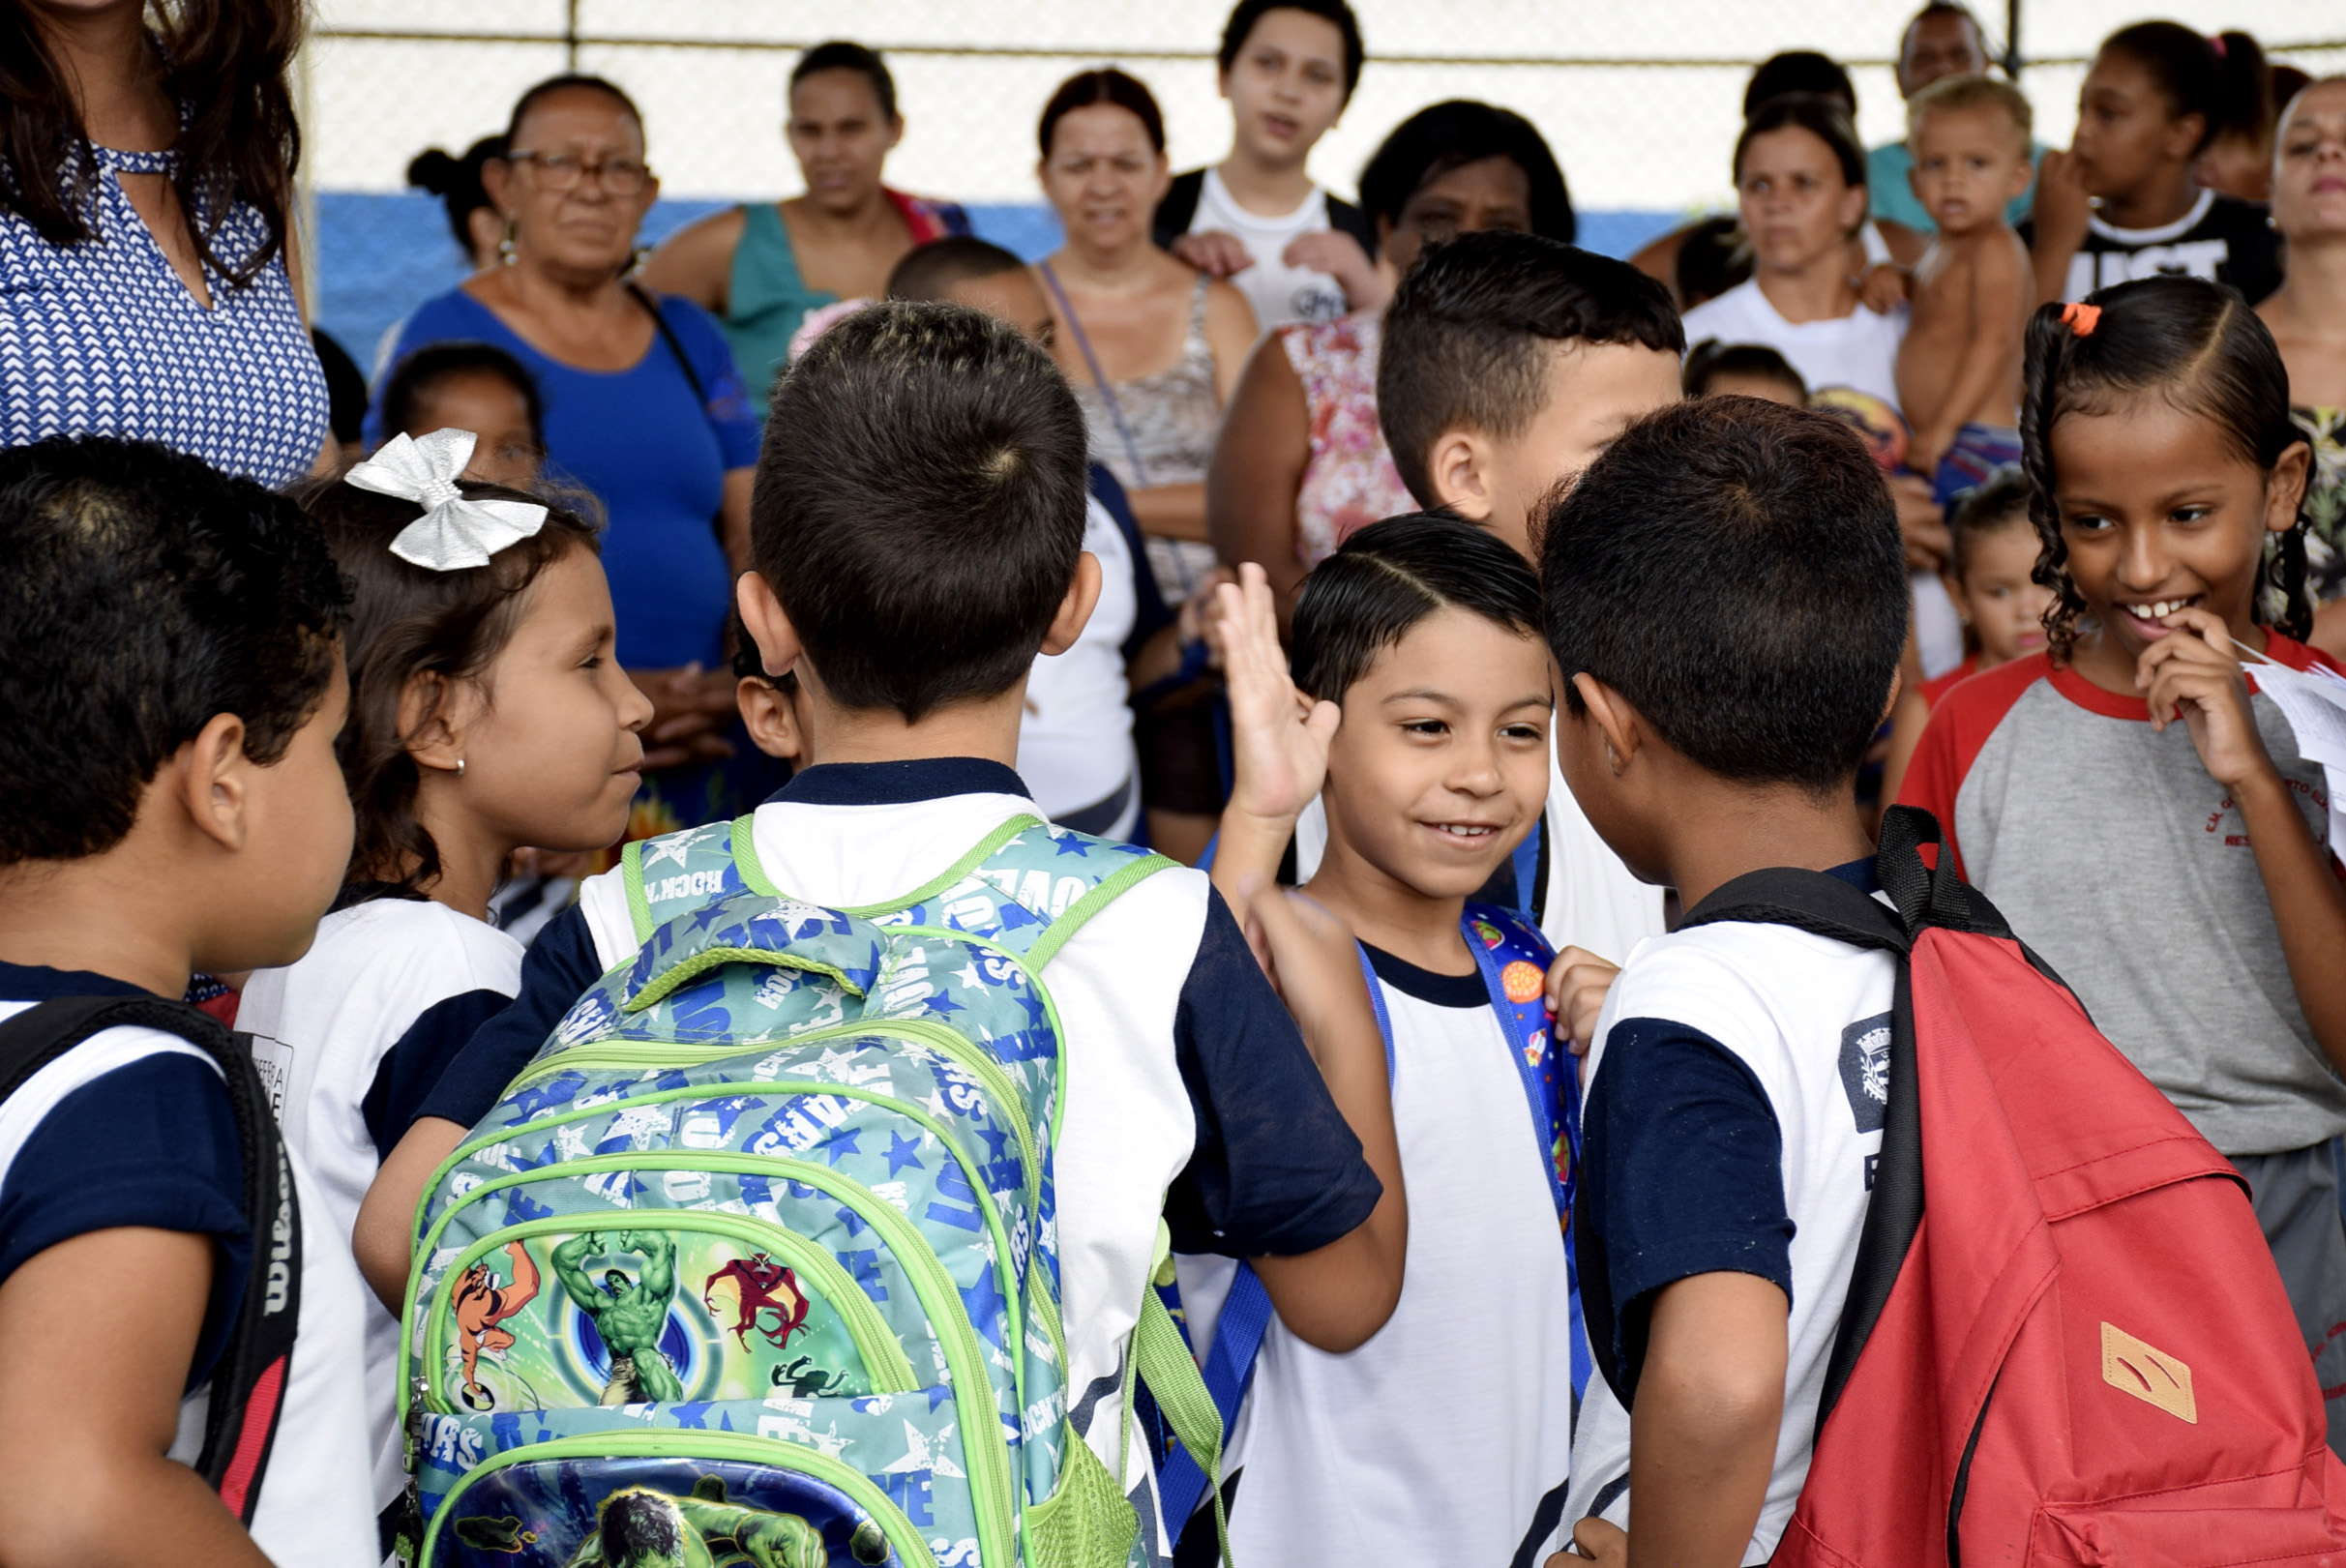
1791	1006
1278	293
1075	737
321	1029
1436	1440
315	1497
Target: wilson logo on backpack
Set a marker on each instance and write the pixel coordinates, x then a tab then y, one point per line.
762	1253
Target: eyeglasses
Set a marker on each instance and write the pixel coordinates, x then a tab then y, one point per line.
560	171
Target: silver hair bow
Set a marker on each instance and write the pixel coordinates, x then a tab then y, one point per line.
453	533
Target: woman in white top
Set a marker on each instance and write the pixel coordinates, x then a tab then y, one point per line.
1800	185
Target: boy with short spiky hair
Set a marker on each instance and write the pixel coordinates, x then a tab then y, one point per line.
1726	600
916	534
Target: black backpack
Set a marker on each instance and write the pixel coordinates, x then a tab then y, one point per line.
249	1382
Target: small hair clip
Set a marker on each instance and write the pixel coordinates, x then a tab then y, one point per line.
453	533
2082	318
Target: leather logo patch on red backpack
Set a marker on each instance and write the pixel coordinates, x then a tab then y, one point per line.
2148	1372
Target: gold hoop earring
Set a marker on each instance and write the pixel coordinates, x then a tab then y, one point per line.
459	768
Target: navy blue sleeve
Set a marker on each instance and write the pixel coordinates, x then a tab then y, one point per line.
557	970
1276	1170
1686	1165
415	1062
152	1144
1149	614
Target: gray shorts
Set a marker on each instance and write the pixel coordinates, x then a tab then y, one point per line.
2297	1199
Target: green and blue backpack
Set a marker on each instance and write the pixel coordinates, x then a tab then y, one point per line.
755	1262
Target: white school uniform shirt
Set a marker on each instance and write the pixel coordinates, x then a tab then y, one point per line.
1075	737
1278	293
1810	1017
1592	900
315	1497
1439	1439
322	1029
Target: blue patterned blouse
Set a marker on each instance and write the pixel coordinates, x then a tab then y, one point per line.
103	337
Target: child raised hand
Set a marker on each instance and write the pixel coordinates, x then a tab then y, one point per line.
1279	737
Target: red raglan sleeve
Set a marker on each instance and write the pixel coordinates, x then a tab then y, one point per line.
1960	724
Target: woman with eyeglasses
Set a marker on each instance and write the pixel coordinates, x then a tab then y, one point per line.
643	410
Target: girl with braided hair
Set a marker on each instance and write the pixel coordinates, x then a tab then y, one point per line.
2136	806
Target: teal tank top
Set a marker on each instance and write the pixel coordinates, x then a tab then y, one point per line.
765	300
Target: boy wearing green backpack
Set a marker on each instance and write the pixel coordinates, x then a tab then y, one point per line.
909	1075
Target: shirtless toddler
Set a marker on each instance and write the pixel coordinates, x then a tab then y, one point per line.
1959	369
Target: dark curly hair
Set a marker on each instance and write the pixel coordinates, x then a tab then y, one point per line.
408	621
223	62
146	594
2199	346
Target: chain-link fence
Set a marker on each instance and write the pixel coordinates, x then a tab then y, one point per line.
1640	101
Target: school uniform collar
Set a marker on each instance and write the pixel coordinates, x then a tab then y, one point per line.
898	783
1858	874
39	982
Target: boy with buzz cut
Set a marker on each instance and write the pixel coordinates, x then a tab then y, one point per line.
181	1328
1725	597
1959	366
916	534
1510	361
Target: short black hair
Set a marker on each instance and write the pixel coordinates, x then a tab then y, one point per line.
417	376
407	620
919	504
1711	359
2182	66
1815	114
1391	575
1465	333
146	593
1799	70
1246	13
840	56
1451	135
928	270
1731	567
345	386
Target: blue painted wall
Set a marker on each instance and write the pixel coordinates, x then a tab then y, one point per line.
380	256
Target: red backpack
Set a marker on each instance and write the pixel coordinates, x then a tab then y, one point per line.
2066	1342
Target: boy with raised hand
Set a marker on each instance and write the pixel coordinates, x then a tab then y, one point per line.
1298	253
916	534
1726	601
1509	362
1417	712
1959	365
172	668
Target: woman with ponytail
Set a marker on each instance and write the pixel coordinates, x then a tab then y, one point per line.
2130	798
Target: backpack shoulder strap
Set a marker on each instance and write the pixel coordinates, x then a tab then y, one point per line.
249	1382
1179	208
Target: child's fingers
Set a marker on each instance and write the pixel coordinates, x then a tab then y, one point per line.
1598	1539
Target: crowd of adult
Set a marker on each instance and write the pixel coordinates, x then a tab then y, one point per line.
1220	326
